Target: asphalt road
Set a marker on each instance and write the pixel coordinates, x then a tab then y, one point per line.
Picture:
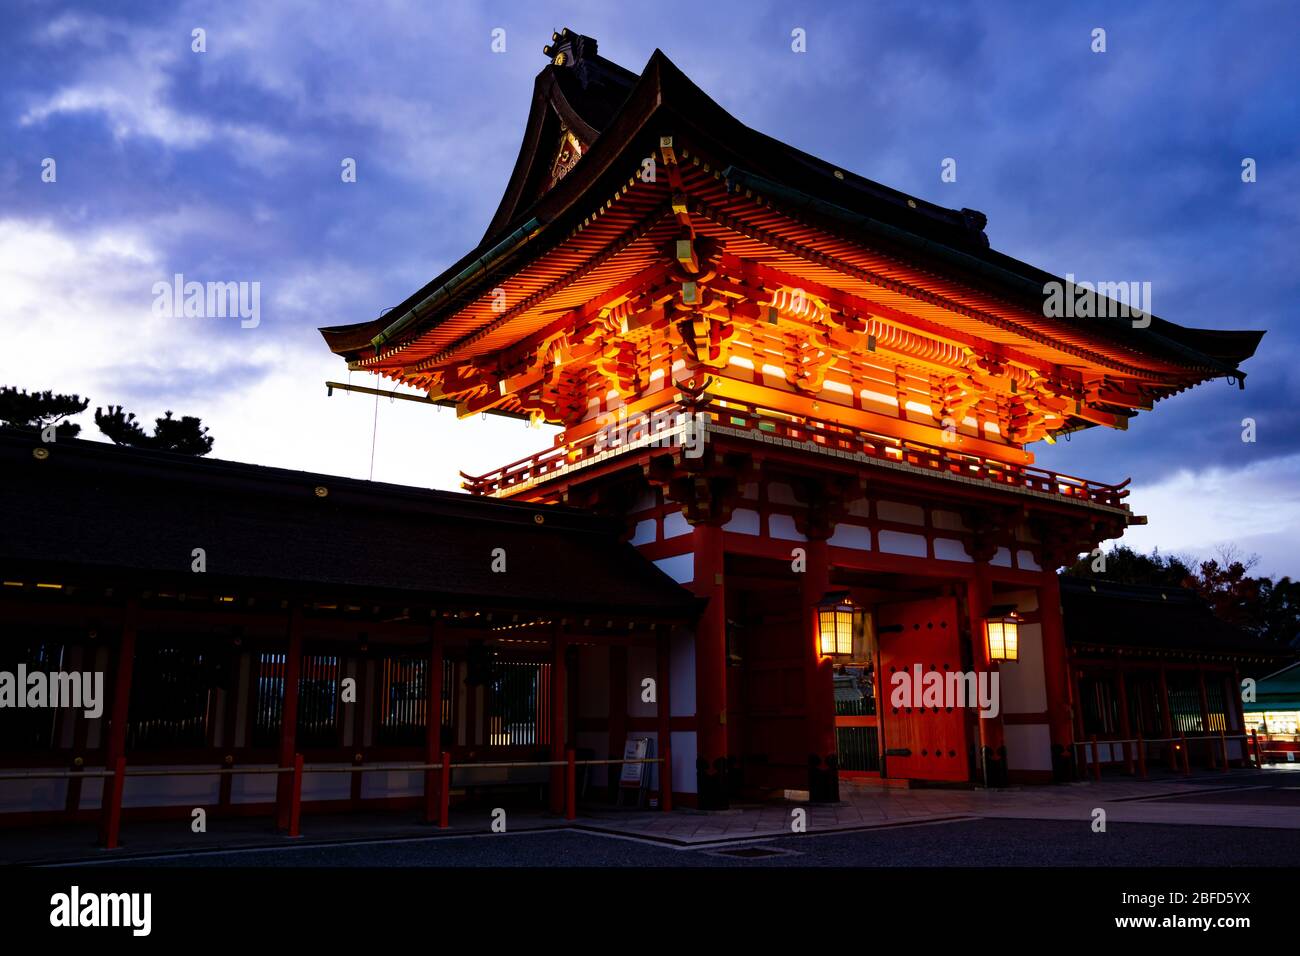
963	843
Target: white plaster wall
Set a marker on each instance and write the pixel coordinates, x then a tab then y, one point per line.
388	783
1029	746
743	521
899	542
1022	683
193	791
851	536
951	549
19	795
676	525
783	527
681	668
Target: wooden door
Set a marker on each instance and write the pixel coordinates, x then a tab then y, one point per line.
921	743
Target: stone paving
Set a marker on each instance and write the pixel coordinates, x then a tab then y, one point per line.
865	806
1165	800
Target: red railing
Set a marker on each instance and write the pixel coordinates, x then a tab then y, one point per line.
746	417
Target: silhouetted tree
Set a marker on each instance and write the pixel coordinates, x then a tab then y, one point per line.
185	435
38	411
1261	606
1126	566
121	427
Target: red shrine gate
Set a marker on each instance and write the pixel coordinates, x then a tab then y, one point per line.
788	380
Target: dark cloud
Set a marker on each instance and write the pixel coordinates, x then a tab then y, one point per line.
1116	166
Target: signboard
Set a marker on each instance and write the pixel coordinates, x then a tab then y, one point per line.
633	775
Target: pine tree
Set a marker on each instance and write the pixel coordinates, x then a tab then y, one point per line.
185	435
38	411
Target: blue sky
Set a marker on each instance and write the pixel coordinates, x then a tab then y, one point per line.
224	166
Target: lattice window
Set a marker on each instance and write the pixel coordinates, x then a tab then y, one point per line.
173	696
318	700
1185	702
30	728
403	700
518	702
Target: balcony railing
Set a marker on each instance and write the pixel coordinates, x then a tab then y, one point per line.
664	430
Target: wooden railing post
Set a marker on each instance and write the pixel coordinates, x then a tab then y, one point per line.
112	810
1142	757
1254	743
295	798
666	779
444	791
1223	746
570	785
1096	760
1187	757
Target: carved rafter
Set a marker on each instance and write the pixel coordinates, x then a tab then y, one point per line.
707	487
1063	539
826	500
992	527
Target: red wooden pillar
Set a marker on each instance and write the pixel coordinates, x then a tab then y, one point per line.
980	599
115	745
663	703
1077	753
1056	665
1125	728
819	671
433	724
289	716
559	705
710	645
1205	718
1166	718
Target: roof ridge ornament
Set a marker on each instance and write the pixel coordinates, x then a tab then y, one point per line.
570	49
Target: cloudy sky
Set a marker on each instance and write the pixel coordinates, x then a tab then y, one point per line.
224	165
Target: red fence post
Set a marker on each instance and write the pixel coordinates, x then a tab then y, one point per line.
1223	746
1096	760
1254	743
112	810
1142	757
295	798
444	791
570	786
666	779
1187	757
